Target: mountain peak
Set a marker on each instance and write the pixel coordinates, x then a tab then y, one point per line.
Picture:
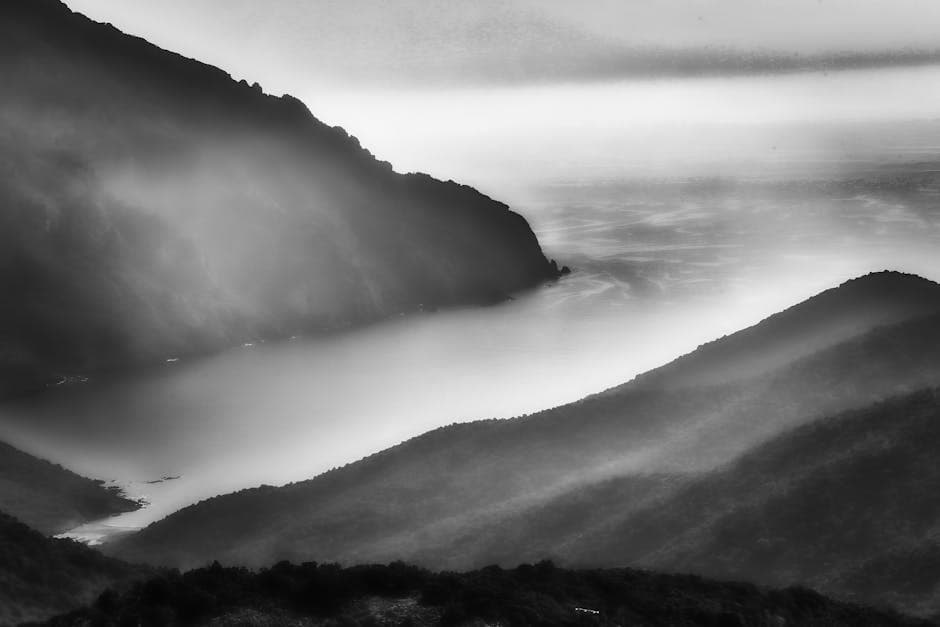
832	316
891	279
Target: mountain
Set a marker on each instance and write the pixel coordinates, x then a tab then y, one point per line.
398	594
152	207
847	504
596	522
50	498
449	498
41	577
835	315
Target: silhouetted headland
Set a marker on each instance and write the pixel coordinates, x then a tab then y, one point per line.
151	207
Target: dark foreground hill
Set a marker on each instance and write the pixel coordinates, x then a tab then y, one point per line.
399	594
448	498
41	577
151	206
850	504
50	498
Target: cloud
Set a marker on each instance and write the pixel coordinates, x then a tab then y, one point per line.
422	42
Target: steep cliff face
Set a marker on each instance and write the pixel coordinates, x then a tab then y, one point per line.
152	206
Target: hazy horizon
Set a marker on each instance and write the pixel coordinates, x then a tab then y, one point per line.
510	96
292	45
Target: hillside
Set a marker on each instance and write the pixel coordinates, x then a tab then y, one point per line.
50	498
41	577
846	504
152	207
599	522
826	319
397	594
440	498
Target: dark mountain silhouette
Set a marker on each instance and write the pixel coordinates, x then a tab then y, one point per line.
151	206
845	504
50	498
41	577
456	497
399	594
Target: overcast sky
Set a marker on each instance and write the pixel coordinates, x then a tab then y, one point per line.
370	43
480	90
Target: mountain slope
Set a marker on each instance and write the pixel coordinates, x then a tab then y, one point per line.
438	498
828	318
41	577
597	522
151	206
847	504
50	498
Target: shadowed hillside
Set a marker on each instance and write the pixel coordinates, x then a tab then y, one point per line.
847	504
151	206
50	498
398	594
446	498
602	522
40	576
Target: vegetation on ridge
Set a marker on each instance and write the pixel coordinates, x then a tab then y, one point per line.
540	594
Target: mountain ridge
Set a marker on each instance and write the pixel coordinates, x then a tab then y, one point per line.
818	504
908	296
170	211
409	501
53	499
